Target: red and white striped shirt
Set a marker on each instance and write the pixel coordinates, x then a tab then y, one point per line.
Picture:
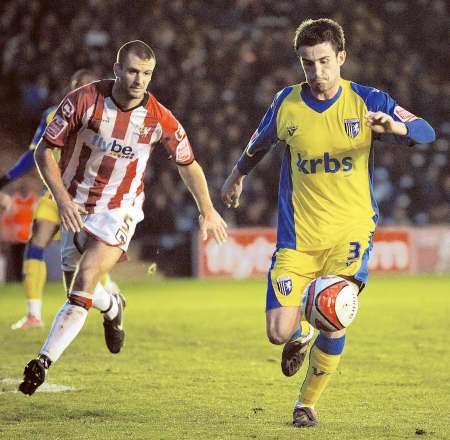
105	150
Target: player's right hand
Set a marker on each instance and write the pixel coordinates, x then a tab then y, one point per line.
232	189
70	214
212	223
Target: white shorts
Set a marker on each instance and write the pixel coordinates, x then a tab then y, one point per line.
114	227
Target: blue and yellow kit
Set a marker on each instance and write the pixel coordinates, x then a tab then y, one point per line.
46	208
26	162
326	209
46	118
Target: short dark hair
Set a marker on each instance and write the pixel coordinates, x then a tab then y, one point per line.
139	48
312	32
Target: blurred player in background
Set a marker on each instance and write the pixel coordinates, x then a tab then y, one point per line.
45	223
327	212
106	131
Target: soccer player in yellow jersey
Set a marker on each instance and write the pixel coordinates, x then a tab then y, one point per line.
327	212
45	223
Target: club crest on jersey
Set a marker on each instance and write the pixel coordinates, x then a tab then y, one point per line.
144	131
352	127
292	129
284	285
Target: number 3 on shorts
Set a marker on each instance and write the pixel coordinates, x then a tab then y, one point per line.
354	252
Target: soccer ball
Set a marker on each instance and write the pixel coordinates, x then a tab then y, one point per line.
330	303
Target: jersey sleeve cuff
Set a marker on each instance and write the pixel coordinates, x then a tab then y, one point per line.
185	164
420	131
245	164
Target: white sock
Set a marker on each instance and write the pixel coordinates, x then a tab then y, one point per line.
34	307
103	300
66	326
113	311
299	404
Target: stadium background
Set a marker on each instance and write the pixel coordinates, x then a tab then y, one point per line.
219	65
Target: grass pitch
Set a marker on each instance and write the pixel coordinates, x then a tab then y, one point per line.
196	365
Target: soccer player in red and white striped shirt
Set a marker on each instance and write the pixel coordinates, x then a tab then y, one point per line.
106	131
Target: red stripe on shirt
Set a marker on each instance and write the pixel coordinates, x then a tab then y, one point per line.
96	119
124	186
101	180
85	154
121	124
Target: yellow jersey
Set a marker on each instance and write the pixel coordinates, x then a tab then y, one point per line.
325	187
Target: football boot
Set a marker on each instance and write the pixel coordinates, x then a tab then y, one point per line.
294	353
304	417
34	374
114	333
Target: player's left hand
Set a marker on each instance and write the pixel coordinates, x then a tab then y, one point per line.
212	223
380	122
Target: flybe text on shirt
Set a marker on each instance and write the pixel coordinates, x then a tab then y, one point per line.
327	164
113	146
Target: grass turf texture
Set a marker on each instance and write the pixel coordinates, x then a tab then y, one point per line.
196	365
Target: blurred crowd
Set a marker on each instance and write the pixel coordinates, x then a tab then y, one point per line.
219	64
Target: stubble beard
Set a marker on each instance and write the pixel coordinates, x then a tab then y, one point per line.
324	87
126	93
130	94
321	87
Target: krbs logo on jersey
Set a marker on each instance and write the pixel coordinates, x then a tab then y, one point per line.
284	285
328	164
352	127
114	147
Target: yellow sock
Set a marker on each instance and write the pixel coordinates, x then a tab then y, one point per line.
301	332
323	362
304	325
35	272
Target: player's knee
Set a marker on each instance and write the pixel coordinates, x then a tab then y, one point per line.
42	233
276	339
277	336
